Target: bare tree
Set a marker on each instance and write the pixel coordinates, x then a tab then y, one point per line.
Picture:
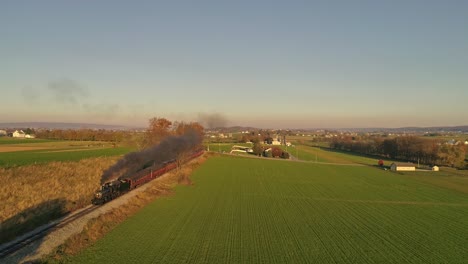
158	129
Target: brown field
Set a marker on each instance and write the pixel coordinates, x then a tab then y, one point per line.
14	148
59	146
71	150
33	194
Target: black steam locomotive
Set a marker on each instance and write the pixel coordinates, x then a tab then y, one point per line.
110	190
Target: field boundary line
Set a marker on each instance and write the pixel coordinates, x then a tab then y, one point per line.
290	160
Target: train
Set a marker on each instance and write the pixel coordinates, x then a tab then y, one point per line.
113	189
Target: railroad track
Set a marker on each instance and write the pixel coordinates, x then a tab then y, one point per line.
12	247
9	248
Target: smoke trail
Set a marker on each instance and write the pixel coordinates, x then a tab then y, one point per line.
214	120
30	95
67	91
168	149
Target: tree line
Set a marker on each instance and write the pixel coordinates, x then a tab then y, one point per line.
409	148
83	134
158	129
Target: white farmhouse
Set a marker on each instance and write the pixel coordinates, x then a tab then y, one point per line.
19	134
402	167
276	142
3	132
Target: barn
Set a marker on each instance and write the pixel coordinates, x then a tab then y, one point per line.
19	134
402	167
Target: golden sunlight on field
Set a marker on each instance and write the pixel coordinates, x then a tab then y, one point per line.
71	150
19	148
29	192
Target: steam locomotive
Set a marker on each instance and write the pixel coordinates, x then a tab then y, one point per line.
113	189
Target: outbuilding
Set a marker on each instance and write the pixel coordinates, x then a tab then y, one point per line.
19	134
435	168
402	167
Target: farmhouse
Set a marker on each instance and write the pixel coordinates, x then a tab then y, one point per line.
276	142
3	132
435	168
19	134
402	167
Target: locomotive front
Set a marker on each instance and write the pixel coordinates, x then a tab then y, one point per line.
106	193
100	194
111	190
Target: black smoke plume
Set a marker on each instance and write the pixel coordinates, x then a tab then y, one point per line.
168	149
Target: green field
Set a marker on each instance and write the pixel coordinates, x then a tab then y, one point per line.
309	153
20	158
10	140
18	152
328	155
243	210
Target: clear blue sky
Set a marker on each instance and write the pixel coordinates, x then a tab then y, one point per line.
303	64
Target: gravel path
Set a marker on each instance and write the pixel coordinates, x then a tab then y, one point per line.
55	238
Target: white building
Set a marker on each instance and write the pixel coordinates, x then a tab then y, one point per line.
3	132
276	142
19	134
402	167
435	168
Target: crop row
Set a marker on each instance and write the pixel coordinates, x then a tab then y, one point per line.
243	210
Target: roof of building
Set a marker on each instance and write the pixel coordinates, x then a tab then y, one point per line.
403	164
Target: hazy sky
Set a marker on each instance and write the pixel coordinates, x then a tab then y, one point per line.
303	64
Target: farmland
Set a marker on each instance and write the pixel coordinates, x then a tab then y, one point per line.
19	152
243	210
322	154
43	179
9	140
311	153
34	194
